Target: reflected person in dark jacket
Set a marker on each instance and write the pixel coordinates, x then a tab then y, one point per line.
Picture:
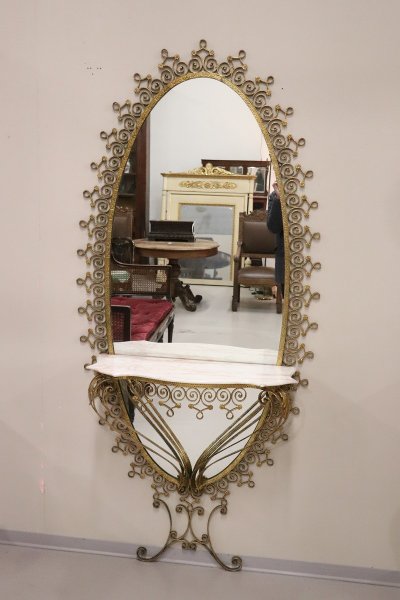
275	224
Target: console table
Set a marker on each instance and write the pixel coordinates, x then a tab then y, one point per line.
203	416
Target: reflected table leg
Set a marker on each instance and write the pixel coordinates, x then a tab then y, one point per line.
182	290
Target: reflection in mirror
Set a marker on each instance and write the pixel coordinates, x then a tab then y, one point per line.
195	120
210	222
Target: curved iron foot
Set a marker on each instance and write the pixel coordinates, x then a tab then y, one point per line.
141	552
188	539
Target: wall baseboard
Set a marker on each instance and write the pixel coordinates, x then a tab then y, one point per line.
201	558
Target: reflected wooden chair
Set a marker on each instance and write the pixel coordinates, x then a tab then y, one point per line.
144	290
255	242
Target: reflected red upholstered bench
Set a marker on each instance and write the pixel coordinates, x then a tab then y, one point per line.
149	318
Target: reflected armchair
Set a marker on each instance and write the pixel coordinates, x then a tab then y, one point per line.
255	242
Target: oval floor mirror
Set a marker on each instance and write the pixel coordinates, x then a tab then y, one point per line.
197	272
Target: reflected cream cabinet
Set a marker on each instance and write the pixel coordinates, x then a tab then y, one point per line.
213	199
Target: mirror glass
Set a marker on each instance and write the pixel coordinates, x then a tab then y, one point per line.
214	223
196	120
198	126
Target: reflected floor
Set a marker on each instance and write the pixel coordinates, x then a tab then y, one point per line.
255	324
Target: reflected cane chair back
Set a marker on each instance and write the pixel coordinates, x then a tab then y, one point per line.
137	279
121	323
255	242
148	317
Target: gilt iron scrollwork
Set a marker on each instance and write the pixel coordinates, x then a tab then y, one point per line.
276	405
191	484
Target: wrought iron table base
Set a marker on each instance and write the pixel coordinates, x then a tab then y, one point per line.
271	409
188	539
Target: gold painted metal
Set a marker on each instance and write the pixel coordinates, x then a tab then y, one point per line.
274	405
198	399
208	185
209	169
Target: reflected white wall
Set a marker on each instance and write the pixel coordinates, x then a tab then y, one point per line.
200	118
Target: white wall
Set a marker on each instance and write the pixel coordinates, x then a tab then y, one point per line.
334	494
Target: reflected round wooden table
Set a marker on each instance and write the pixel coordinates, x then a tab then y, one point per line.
175	251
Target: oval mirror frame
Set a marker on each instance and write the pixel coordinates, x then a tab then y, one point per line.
105	395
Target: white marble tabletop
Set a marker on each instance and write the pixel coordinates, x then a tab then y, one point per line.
205	370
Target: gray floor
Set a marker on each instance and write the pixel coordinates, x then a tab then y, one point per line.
255	324
36	574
